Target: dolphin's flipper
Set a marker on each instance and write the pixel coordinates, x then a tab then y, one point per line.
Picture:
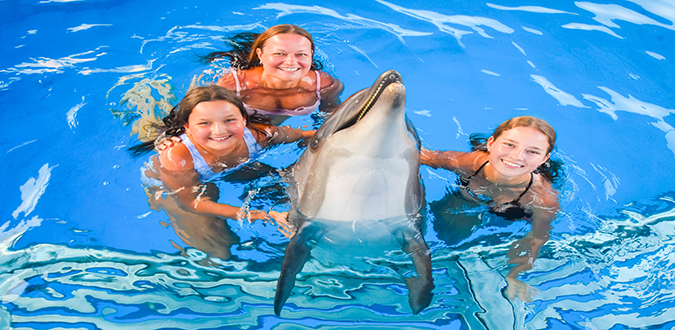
297	254
419	288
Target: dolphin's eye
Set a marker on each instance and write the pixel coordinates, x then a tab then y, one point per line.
314	143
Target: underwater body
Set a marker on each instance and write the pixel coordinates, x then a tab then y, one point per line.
82	248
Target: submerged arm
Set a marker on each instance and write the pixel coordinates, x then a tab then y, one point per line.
525	251
177	174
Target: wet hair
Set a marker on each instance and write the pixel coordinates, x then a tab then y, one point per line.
174	123
552	170
243	54
528	121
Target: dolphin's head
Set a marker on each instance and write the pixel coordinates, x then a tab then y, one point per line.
377	105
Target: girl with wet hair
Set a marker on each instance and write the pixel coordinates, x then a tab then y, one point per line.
211	137
510	174
275	74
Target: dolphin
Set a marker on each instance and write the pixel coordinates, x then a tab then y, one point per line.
359	176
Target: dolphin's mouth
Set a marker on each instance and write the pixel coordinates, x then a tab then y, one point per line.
386	79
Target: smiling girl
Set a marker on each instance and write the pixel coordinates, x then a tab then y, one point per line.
508	174
215	139
275	75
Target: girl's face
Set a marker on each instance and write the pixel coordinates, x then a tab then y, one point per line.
286	57
216	126
518	151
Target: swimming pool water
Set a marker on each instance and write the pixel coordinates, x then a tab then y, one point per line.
81	248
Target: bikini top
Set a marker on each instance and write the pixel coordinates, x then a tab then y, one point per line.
205	171
510	211
285	112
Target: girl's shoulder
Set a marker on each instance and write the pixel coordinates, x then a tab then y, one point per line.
262	133
327	81
244	78
543	194
176	158
470	162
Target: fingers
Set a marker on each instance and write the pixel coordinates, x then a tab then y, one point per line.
257	215
273	217
167	143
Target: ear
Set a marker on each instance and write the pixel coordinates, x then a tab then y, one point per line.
258	51
187	128
489	143
546	158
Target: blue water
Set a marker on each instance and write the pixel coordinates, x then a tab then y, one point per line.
82	249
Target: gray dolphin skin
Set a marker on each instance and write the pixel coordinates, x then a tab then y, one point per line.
360	170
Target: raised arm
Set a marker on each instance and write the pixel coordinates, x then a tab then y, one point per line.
449	160
280	134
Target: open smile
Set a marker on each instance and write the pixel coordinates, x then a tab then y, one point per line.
220	139
511	165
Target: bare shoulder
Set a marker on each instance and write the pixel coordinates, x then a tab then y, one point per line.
544	195
176	158
467	163
329	83
227	80
262	133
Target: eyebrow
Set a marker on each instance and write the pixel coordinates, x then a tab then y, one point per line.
516	142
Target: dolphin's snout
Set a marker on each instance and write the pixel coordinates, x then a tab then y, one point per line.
397	92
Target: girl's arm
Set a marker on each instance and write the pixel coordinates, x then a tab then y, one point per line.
525	251
177	173
449	160
279	134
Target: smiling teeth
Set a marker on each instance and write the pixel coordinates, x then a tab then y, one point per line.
220	139
511	164
289	69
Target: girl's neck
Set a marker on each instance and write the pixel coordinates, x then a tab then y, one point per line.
225	158
497	178
271	82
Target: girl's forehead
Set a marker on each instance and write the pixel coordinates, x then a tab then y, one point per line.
526	135
214	108
287	40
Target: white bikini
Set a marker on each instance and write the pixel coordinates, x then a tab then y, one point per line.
205	171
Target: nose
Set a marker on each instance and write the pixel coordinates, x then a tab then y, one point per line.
218	128
518	153
290	58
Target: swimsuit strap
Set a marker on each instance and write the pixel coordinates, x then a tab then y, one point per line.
254	149
517	200
198	160
318	84
465	182
236	82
